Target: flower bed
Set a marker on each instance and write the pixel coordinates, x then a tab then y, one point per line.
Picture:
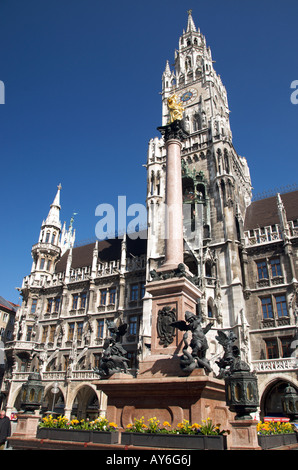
100	430
273	434
185	436
153	434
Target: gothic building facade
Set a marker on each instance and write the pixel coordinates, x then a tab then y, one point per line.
243	253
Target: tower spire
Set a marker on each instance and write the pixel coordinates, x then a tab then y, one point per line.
53	217
190	23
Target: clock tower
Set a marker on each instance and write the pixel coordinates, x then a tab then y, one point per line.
216	185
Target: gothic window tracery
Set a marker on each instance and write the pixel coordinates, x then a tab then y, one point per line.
226	160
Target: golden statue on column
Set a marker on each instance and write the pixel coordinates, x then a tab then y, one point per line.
176	109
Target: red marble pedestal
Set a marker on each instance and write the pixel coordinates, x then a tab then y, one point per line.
171	399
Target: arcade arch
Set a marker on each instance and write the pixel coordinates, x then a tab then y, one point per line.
86	402
270	401
54	402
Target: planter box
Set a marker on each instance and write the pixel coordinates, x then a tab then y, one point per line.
78	435
174	441
277	440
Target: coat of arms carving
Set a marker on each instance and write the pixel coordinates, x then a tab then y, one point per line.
165	330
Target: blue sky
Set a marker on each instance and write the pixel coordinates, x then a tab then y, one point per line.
82	82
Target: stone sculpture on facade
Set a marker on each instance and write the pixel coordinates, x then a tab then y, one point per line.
197	357
113	357
179	272
231	352
241	385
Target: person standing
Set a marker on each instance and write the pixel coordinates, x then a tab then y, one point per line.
5	429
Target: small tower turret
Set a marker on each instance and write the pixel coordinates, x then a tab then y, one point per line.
68	236
46	252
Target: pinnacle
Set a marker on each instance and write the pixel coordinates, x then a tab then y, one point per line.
190	23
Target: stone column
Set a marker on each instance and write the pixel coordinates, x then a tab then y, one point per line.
174	217
173	135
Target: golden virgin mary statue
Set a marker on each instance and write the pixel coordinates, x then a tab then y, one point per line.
176	109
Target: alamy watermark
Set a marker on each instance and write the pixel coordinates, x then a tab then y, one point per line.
133	220
294	94
112	220
2	92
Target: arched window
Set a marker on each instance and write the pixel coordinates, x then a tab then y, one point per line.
208	269
226	159
197	122
152	183
201	192
188	190
209	311
237	229
223	191
158	183
206	231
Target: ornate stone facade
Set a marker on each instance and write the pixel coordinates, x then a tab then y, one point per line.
243	255
68	300
226	235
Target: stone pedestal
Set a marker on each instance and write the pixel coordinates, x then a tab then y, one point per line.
180	295
27	425
171	399
244	435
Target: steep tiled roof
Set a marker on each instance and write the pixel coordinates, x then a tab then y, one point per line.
108	250
264	212
8	305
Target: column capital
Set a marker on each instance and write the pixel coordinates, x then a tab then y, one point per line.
174	130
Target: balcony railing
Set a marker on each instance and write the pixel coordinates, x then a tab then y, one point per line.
57	376
23	345
273	365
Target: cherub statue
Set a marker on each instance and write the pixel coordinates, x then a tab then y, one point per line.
176	109
113	357
231	352
197	358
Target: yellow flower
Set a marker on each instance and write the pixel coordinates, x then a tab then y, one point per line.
113	425
195	425
165	423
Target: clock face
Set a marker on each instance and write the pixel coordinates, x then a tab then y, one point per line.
188	96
